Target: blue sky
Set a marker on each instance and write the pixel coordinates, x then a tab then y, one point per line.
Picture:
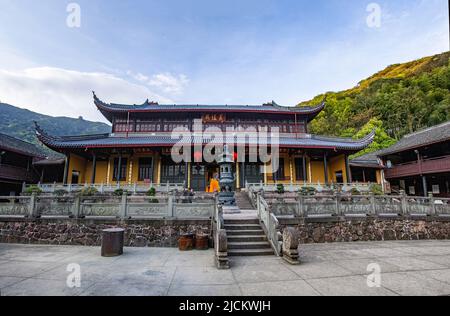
209	52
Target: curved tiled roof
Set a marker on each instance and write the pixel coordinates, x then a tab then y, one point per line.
369	160
429	136
19	146
151	107
112	141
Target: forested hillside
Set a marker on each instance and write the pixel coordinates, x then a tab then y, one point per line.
399	100
18	123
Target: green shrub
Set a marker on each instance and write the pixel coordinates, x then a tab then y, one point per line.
355	191
280	189
60	193
33	189
151	192
119	192
308	191
89	191
376	189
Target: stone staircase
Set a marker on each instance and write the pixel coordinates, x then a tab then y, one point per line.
243	201
246	238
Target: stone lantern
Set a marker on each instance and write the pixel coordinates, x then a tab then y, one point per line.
226	178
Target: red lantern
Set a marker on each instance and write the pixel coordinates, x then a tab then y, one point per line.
198	156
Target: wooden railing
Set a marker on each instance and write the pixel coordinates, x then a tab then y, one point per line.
427	166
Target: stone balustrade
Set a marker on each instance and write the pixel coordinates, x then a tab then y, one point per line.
167	206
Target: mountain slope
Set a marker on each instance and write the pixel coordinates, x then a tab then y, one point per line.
18	123
398	100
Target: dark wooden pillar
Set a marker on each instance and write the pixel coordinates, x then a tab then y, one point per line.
66	169
42	174
94	167
242	174
325	167
186	175
119	170
425	186
348	170
305	172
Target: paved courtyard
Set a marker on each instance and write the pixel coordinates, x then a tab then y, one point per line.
407	268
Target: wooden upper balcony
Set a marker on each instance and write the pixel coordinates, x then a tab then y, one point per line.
426	166
14	173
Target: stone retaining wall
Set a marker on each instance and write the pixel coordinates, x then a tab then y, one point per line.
344	230
154	233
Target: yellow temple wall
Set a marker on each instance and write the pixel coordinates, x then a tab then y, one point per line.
317	172
77	163
337	164
101	172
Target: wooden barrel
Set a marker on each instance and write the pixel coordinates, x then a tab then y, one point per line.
201	241
112	242
186	242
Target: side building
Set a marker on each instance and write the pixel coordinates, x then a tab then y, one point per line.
22	162
419	164
138	149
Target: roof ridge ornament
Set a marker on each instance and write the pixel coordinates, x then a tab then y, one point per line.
148	102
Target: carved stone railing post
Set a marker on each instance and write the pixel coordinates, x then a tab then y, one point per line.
290	245
123	206
373	209
339	212
170	205
76	207
258	204
300	206
404	204
432	211
222	261
32	209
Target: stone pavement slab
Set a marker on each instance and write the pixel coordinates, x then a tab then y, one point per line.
407	268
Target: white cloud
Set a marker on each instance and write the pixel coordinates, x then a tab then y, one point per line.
62	92
169	83
163	82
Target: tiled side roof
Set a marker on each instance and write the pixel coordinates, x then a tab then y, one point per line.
13	144
432	135
370	160
109	141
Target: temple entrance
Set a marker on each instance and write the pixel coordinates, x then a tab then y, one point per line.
201	175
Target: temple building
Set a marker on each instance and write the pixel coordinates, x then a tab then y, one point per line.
138	149
419	164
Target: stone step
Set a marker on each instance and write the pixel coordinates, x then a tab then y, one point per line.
246	238
242	227
250	252
256	232
241	221
249	245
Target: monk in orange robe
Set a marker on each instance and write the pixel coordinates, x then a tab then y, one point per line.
214	185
